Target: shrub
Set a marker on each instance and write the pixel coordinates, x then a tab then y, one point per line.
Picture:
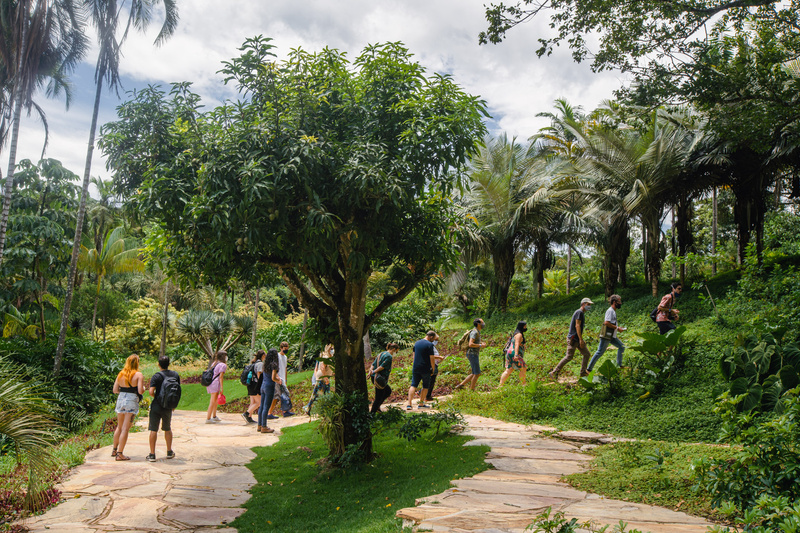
140	332
88	371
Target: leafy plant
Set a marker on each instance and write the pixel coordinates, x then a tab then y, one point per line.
604	382
761	370
544	523
661	355
213	331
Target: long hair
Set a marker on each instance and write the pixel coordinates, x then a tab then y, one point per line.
131	367
521	329
257	356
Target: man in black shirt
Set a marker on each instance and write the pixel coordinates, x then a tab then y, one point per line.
424	361
575	340
158	412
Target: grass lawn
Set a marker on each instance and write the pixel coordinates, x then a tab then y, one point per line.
293	493
631	471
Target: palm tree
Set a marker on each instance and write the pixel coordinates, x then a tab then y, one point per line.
40	43
213	331
115	257
103	212
510	197
105	15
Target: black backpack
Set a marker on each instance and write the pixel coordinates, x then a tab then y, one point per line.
247	375
169	395
207	377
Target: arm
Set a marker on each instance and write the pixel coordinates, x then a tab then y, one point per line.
276	378
579	331
517	341
116	386
140	384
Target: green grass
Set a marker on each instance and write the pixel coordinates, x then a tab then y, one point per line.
293	493
630	471
195	398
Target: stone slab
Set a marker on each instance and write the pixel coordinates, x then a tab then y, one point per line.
207	497
535	443
496	503
72	511
588	437
615	510
425	511
476	520
497	434
154	489
535	466
231	477
207	516
519	488
523	477
134	513
536	453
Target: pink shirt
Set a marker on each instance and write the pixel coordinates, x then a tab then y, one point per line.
666	301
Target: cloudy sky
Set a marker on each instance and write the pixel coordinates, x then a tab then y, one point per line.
441	33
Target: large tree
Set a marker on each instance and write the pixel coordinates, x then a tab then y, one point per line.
326	171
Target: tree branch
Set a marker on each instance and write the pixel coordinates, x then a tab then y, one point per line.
316	307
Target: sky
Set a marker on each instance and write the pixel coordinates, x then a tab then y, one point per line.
442	34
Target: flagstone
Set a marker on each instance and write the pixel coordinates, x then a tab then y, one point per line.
535	443
519	488
202	516
72	511
604	508
536	453
497	503
133	513
202	497
523	477
589	437
231	477
154	489
536	466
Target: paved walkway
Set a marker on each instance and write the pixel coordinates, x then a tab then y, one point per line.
200	490
525	481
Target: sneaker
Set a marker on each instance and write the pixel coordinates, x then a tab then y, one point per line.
170	454
288	413
247	419
210	421
265	429
271	417
152	457
408	407
215	419
423	406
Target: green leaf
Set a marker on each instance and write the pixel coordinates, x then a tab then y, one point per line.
608	369
739	386
753	398
789	377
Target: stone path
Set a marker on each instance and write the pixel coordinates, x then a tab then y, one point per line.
200	490
525	481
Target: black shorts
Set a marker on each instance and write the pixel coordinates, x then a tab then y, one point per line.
420	375
159	413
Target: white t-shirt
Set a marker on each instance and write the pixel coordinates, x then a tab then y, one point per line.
611	316
282	361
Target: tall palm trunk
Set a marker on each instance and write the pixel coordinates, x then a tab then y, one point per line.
163	348
76	243
12	148
569	266
255	319
503	273
714	230
96	299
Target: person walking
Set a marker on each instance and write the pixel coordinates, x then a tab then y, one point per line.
424	361
437	359
473	355
254	387
379	374
610	323
161	390
667	314
281	398
129	386
575	340
215	389
269	376
515	354
323	374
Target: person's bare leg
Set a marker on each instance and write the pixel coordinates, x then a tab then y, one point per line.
522	374
411	392
118	430
504	376
274	406
464	383
422	396
168	439
474	381
123	435
212	406
152	438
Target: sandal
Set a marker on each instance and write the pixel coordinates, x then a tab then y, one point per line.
114	452
121	457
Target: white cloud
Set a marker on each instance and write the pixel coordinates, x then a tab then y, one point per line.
442	34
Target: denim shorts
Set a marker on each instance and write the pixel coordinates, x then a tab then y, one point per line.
474	363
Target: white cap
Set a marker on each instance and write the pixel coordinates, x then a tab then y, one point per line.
586	301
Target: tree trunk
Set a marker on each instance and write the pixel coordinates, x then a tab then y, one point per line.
12	148
255	319
569	266
162	350
653	266
76	243
96	298
673	243
714	230
303	341
503	272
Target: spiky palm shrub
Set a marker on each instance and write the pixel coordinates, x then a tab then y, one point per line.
27	421
213	331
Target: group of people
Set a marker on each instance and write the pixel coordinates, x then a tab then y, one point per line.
269	394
